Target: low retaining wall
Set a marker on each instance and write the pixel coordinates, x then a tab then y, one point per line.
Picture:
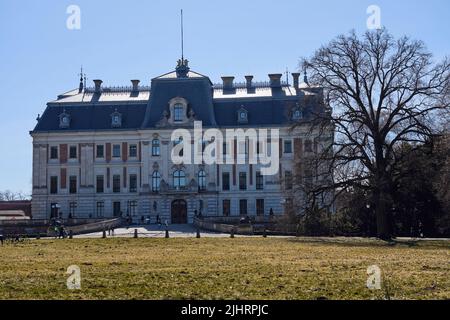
209	224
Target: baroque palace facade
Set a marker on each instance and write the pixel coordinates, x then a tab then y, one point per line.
105	152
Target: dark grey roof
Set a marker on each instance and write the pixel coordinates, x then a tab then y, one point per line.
91	117
266	107
197	91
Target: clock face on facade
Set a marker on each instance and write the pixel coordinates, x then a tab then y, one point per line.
242	115
65	119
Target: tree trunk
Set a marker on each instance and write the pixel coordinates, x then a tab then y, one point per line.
384	230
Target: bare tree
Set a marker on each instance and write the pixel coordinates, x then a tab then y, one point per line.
383	92
9	195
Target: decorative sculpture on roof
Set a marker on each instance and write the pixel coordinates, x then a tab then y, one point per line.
182	68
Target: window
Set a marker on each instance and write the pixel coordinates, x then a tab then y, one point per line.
156	181
116	151
132	207
100	184
116	119
116	183
201	180
178	141
178	113
288	180
242	115
226	207
72	209
308	146
242	180
156	150
100	209
297	114
100	151
287	146
54	185
225	181
117	212
73	152
179	179
260	207
243	207
53	152
259	181
133	183
73	184
133	151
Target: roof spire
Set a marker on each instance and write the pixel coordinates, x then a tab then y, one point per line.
81	87
182	37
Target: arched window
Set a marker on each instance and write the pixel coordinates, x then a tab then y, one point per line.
179	179
201	180
156	181
156	150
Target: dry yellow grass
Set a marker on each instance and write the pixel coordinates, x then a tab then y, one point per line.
223	268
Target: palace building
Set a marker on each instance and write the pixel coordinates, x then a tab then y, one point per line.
101	152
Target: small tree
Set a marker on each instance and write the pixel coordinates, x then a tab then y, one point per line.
383	92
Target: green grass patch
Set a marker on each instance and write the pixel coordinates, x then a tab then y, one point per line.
223	268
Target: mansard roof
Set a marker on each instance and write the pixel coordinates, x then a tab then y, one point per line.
144	106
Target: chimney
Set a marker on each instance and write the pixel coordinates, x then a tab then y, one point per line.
295	77
135	84
228	84
248	80
98	86
275	80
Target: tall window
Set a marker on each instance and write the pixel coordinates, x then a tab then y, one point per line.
201	180
100	185
73	184
242	180
287	146
156	150
54	185
53	152
225	181
288	180
133	151
100	152
133	183
100	209
116	183
73	152
179	179
308	146
116	151
156	181
72	209
260	207
178	113
243	207
132	207
226	207
259	181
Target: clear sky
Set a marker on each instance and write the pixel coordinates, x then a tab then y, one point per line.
136	39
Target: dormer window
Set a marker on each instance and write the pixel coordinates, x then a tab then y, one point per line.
64	120
242	115
297	113
116	119
178	112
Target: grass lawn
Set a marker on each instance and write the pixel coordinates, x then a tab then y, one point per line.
223	268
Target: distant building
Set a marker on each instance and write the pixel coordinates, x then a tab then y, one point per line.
15	210
105	151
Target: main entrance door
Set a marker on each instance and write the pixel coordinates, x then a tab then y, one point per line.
179	211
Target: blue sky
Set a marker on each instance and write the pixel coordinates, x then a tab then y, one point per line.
136	39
